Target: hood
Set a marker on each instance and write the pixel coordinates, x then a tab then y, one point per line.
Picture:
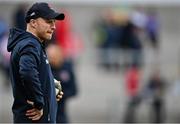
16	35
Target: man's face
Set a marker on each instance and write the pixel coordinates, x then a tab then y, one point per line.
45	28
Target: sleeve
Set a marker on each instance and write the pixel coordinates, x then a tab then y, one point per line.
28	70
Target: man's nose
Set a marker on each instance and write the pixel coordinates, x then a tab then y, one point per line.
53	26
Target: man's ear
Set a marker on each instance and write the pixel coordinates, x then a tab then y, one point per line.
33	23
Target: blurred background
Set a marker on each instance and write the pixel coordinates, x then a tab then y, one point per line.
118	60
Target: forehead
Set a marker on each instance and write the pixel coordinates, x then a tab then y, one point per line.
45	20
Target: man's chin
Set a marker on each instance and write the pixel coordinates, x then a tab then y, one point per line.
48	38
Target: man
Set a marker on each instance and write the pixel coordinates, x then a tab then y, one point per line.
31	76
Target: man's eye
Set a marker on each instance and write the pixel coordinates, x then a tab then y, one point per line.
50	21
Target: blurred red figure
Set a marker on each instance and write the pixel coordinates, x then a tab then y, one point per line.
132	81
71	47
70	42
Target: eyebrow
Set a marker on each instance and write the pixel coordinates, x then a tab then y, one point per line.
48	19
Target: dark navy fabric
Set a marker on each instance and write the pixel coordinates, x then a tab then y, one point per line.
31	77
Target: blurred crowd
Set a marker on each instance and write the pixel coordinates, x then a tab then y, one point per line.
122	34
121	37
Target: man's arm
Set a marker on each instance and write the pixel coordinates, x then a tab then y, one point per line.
28	70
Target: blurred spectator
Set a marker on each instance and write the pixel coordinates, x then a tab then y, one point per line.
139	18
71	47
5	58
4	54
152	28
70	42
62	71
108	33
3	28
156	86
132	80
132	43
19	16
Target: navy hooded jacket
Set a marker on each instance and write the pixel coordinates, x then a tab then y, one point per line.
31	77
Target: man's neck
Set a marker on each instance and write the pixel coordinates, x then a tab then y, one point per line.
33	33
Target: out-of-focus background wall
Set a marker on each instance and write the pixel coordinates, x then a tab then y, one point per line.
125	55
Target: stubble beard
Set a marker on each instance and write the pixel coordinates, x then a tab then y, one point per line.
46	38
